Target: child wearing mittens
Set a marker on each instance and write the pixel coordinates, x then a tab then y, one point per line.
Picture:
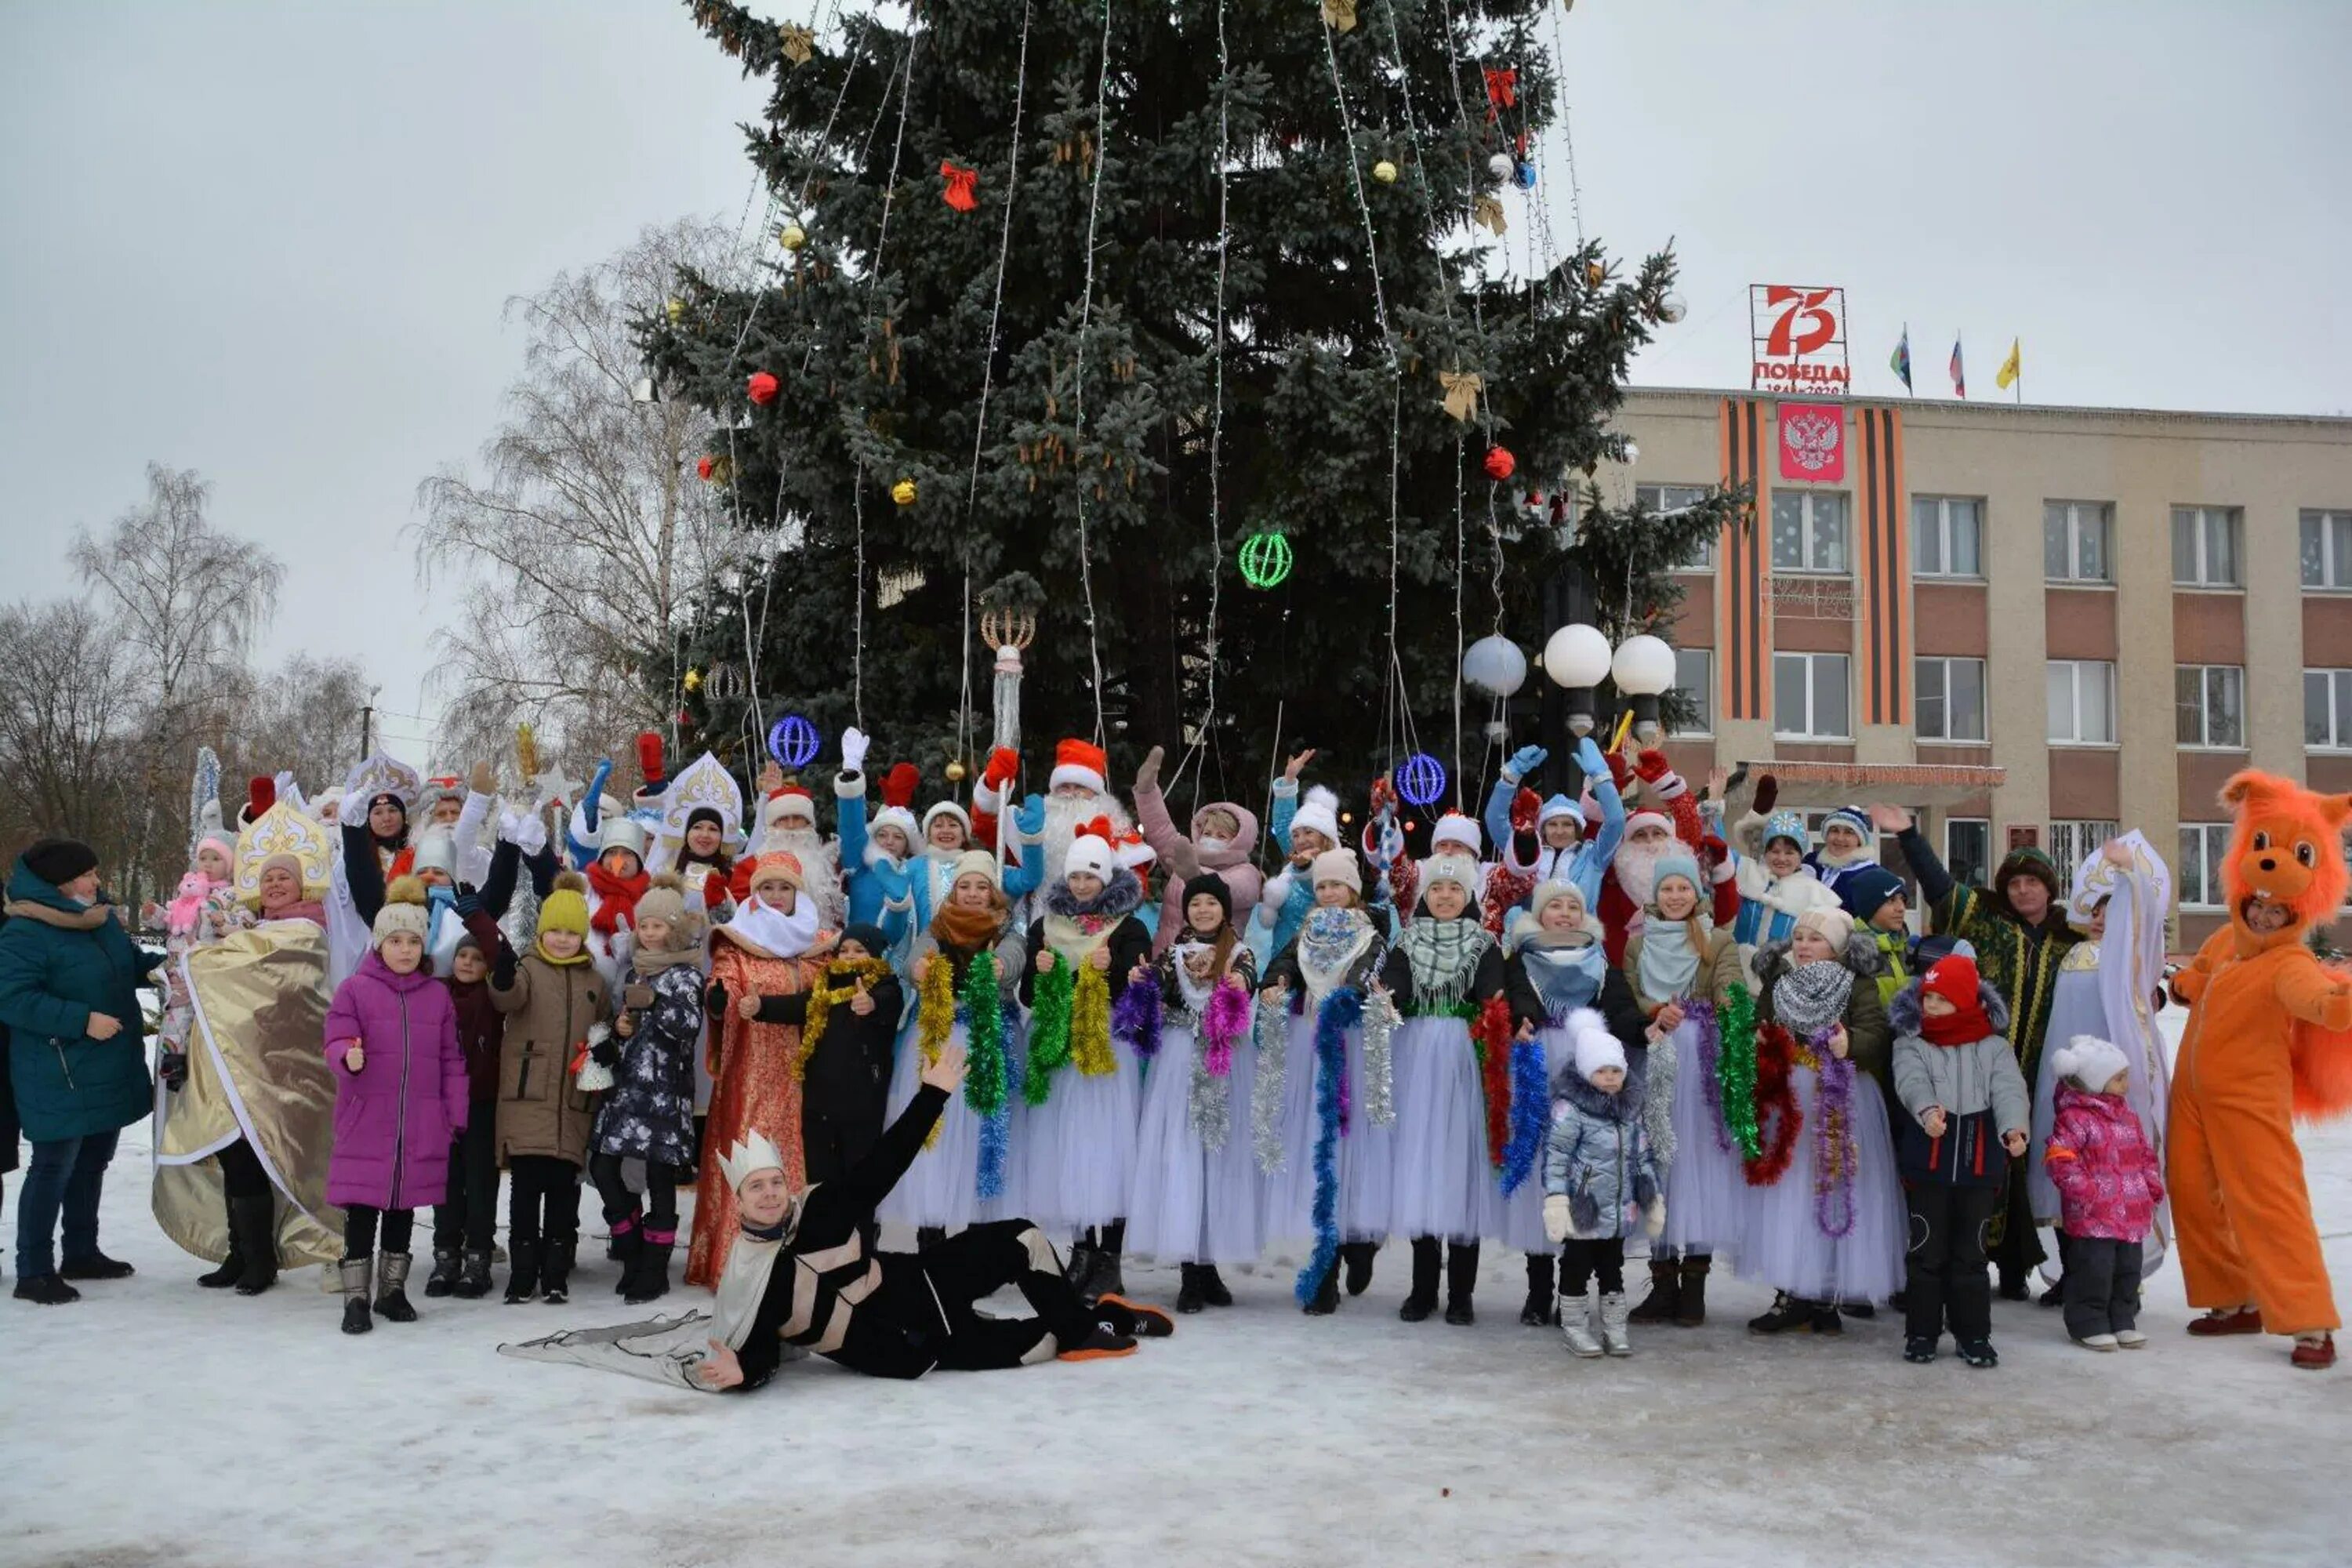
400	1098
556	1006
2109	1181
1558	965
1598	1172
648	1113
1958	1077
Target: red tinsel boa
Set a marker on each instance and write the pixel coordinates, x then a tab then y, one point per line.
1779	1119
617	898
1491	1033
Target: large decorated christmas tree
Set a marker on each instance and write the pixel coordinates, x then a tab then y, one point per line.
1230	339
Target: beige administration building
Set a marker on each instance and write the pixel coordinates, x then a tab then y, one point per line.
2034	623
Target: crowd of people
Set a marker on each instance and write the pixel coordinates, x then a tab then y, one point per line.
1643	1012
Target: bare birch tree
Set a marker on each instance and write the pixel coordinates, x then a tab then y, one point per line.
187	602
65	747
588	532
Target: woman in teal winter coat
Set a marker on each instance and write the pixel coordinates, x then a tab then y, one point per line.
69	978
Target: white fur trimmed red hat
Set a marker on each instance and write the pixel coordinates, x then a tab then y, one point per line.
1134	852
1078	762
790	801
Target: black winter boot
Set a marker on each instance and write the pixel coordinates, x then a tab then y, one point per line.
1104	1279
650	1280
1427	1263
473	1277
1461	1279
1212	1288
1189	1295
628	1242
1079	1267
928	1235
522	1269
1542	1310
232	1267
1326	1299
443	1280
392	1289
257	1232
1359	1257
95	1266
555	1270
1663	1304
1691	1311
354	1272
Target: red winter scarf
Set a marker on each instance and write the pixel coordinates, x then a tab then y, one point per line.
1965	1028
617	898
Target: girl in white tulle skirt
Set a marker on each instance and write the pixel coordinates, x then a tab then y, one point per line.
1195	1199
1826	1221
967	1172
1444	970
1326	1138
1083	1084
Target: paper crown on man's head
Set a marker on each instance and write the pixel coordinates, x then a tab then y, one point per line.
749	1155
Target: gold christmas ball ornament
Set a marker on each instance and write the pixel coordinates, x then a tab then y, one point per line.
694	680
674	309
903	492
955	771
1384	172
792	237
1595	275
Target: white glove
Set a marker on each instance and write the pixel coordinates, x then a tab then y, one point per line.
854	743
353	812
1556	1224
1654	1215
528	834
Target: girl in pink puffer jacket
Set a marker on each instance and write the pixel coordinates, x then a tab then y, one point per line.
2109	1181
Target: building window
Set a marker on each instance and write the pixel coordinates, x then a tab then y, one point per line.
2327	549
1950	698
2082	702
2071	844
2209	706
1808	531
2205	546
1946	536
1694	683
1967	849
2203	847
1808	697
2327	709
1667	500
2075	535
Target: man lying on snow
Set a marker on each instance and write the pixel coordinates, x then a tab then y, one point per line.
798	1280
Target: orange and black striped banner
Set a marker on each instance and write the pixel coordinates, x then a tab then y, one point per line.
1743	625
1885	564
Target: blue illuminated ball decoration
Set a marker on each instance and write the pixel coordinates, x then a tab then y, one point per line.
1420	778
1526	175
793	743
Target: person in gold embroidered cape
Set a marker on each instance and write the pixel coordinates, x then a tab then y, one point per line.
241	1146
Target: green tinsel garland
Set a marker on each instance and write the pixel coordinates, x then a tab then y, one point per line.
1049	1045
985	1076
1735	1070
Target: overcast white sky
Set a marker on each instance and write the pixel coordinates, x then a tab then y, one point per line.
270	242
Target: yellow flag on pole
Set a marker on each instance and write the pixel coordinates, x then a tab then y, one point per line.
2010	367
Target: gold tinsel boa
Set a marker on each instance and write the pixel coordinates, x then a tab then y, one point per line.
842	981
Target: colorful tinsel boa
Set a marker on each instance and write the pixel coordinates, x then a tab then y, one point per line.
1070	1025
1490	1033
1836	1152
1224	1020
842	981
1530	1113
1779	1119
1135	1018
1273	1034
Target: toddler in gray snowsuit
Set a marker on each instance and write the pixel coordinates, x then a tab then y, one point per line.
1598	1168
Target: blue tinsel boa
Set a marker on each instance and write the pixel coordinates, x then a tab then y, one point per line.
1342	1011
1530	1113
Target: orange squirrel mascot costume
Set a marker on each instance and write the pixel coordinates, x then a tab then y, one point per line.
2264	1045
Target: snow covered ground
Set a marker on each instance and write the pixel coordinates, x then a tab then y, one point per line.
157	1424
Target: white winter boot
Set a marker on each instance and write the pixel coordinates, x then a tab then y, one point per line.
1577	1319
1614	1337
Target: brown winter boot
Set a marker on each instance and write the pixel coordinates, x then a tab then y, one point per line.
1664	1302
1692	1311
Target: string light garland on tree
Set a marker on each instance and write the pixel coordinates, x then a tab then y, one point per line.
793	743
1265	560
1420	778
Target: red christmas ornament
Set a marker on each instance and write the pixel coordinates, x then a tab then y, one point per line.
762	387
705	466
1500	464
684	720
961	182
